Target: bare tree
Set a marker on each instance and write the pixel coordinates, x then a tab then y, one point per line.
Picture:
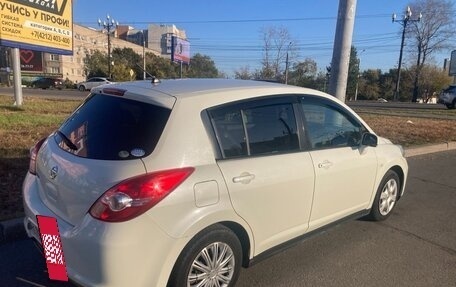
243	73
431	34
277	44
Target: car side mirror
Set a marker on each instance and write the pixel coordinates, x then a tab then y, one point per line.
369	140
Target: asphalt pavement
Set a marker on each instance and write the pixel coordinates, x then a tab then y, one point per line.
416	246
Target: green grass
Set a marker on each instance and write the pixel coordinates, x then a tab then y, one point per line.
21	127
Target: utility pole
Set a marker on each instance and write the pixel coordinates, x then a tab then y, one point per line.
403	22
342	48
17	77
286	64
108	26
144	54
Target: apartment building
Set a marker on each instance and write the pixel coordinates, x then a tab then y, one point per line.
157	37
86	41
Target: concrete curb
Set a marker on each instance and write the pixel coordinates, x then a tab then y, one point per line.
13	229
426	149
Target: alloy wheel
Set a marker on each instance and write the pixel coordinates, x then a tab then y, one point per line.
213	266
388	197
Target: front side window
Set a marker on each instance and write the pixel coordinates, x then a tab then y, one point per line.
329	126
255	128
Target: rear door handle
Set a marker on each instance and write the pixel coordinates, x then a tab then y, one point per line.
244	178
326	164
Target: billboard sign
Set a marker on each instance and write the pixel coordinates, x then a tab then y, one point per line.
31	61
452	70
45	25
180	52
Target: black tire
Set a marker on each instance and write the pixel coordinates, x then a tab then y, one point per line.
81	88
386	197
216	237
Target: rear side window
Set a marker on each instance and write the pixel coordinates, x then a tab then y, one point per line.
271	129
113	128
229	129
256	128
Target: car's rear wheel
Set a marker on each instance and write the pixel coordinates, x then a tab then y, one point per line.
212	258
386	197
81	88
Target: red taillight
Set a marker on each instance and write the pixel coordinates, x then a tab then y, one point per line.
33	153
136	195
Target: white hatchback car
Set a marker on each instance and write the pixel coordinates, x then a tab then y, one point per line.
94	82
182	182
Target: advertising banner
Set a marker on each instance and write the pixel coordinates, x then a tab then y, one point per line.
45	25
31	61
180	52
452	71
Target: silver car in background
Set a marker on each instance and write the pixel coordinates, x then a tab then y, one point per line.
94	82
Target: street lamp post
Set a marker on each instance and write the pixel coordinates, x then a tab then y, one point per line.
286	64
403	22
144	54
357	76
108	25
357	80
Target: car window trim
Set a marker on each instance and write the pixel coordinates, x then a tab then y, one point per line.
258	102
333	105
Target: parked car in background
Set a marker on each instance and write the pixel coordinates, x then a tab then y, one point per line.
93	82
448	97
47	83
183	182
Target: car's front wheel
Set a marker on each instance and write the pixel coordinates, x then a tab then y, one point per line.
386	197
81	88
212	258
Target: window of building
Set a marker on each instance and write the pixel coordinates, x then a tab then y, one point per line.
54	70
54	57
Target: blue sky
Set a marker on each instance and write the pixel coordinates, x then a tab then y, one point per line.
229	31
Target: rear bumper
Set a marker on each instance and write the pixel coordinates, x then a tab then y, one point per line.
136	253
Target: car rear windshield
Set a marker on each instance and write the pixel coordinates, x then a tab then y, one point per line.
112	128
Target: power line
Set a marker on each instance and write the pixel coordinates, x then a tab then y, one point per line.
325	18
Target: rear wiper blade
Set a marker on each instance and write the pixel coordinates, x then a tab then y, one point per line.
67	141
